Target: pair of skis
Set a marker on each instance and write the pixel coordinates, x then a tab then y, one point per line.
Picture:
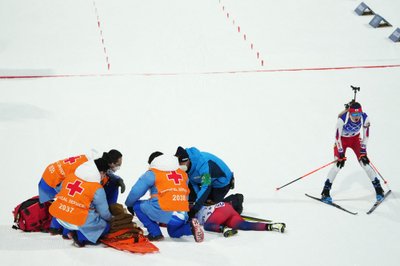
376	204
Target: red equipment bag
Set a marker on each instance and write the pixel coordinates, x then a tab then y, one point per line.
32	216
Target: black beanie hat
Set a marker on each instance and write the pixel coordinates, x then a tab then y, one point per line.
101	165
153	156
182	154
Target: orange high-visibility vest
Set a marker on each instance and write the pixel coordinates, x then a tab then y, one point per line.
56	172
72	204
172	190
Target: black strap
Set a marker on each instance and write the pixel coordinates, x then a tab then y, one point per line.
24	205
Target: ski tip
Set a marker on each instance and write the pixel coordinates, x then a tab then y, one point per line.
277	189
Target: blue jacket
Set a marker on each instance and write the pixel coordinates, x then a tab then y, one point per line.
202	164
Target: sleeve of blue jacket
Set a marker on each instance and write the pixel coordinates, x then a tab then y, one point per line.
140	188
101	205
205	187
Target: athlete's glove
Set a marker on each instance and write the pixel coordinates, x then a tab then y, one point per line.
364	159
341	159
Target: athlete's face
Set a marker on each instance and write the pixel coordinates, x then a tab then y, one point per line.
355	117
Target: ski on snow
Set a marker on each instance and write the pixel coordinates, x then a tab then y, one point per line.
255	219
332	204
377	203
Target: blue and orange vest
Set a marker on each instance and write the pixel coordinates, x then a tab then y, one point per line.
72	204
172	189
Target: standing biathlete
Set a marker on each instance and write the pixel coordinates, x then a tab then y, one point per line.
349	125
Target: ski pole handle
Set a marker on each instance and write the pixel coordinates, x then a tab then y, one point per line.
313	171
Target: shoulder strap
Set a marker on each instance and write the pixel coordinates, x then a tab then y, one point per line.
24	205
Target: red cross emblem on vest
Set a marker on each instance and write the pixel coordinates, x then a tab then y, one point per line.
71	160
176	177
75	188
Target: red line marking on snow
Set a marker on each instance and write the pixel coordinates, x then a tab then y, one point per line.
203	73
101	36
239	30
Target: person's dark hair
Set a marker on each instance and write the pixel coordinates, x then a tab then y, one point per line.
355	105
101	165
153	156
112	156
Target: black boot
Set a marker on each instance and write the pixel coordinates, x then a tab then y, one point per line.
378	189
326	197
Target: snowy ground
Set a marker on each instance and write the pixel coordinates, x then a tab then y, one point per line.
181	74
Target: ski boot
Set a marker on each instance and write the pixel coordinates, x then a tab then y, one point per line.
378	189
277	227
228	232
326	197
197	231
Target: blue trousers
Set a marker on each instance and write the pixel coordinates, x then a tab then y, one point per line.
176	227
